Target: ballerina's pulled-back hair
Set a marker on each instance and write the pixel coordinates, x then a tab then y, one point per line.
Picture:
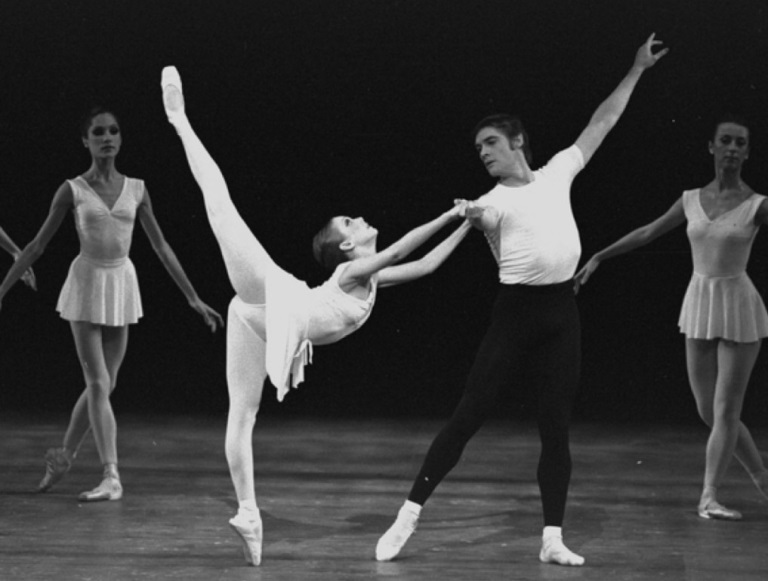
87	119
508	125
325	246
729	117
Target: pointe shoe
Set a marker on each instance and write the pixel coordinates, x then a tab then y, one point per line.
716	511
173	98
392	542
57	464
251	534
109	489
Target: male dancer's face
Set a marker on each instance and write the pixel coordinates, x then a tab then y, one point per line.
498	157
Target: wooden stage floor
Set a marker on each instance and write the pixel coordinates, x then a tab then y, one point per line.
329	488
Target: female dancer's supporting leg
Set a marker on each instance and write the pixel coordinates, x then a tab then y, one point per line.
246	372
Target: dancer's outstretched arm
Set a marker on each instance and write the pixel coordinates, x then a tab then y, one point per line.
361	269
427	264
635	239
173	266
609	111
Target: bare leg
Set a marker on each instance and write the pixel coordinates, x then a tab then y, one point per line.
114	343
90	341
246	260
719	373
246	372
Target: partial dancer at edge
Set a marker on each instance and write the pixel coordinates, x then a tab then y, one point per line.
723	317
275	319
529	225
7	244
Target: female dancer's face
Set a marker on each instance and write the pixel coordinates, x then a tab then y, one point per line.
103	138
730	146
355	230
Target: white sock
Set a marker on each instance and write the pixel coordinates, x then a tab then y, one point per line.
412	507
553	550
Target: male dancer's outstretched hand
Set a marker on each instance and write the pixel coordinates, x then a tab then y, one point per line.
645	57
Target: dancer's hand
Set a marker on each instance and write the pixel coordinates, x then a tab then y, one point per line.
29	279
583	275
645	58
212	318
459	206
473	211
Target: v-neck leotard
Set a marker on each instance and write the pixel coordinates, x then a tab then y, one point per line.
721	301
102	286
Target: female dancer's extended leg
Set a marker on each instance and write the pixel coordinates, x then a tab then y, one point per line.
246	260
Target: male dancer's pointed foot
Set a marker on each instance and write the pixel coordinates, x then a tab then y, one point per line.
251	534
553	551
173	98
109	489
392	542
57	464
714	510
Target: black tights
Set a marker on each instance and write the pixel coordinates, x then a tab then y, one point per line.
534	326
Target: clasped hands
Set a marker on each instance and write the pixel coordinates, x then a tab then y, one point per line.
468	209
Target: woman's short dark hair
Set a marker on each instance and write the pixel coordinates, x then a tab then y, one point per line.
508	125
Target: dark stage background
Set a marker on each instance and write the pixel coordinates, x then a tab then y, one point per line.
321	107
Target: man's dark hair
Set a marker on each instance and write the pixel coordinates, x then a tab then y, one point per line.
510	126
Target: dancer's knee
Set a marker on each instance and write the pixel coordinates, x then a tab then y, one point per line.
98	387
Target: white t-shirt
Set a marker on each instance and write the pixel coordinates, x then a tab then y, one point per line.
536	240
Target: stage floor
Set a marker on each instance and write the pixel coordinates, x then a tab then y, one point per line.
329	488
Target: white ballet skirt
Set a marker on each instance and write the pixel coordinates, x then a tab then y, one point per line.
298	317
727	307
102	286
106	293
721	301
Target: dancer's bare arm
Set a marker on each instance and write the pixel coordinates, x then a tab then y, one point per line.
361	269
173	266
427	264
609	111
635	239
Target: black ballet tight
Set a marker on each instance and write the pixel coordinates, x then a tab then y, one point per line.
536	327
